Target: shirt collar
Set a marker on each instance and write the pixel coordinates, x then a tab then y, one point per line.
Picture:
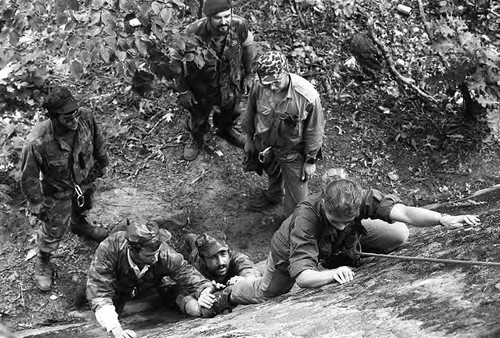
138	272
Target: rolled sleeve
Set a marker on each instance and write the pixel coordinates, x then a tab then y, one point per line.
314	129
377	205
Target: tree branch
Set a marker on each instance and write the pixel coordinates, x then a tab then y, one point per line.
390	63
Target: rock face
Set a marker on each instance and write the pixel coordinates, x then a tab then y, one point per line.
388	298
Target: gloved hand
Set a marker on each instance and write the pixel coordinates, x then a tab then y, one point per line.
187	99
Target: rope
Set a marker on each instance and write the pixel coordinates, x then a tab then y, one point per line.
434	260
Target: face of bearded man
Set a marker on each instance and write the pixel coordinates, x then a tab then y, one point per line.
218	263
220	22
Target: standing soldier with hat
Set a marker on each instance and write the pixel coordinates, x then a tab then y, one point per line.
61	159
130	262
218	263
284	124
215	72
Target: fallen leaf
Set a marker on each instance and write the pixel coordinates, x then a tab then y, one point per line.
168	117
393	176
32	253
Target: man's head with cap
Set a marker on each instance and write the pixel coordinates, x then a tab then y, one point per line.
62	107
144	241
272	69
219	13
214	252
212	7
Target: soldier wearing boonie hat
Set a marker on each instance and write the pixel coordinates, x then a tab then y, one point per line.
284	124
217	78
61	159
129	263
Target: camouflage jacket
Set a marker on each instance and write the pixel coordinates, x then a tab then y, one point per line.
46	153
239	265
223	65
110	272
306	239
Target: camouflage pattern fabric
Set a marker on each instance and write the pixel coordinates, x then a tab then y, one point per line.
111	278
272	63
222	73
142	233
47	153
239	265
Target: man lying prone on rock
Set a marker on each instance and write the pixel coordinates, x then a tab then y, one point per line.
320	242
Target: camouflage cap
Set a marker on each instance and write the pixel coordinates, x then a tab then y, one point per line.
209	246
60	101
144	234
271	63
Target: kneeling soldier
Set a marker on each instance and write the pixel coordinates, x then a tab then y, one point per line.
133	261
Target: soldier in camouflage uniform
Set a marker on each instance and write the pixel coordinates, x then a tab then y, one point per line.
214	68
322	239
130	262
61	159
217	262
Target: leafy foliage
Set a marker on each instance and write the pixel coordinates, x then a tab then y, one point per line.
127	34
473	64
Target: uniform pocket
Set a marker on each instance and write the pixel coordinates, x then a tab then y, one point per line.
59	169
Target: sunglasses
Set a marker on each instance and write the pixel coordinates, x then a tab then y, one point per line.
271	80
72	115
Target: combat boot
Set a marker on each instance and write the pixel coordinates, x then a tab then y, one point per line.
233	136
190	240
222	304
82	227
193	147
262	202
43	271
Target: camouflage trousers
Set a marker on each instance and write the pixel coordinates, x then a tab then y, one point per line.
57	214
207	98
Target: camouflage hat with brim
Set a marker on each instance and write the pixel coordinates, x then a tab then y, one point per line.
270	66
143	234
208	246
